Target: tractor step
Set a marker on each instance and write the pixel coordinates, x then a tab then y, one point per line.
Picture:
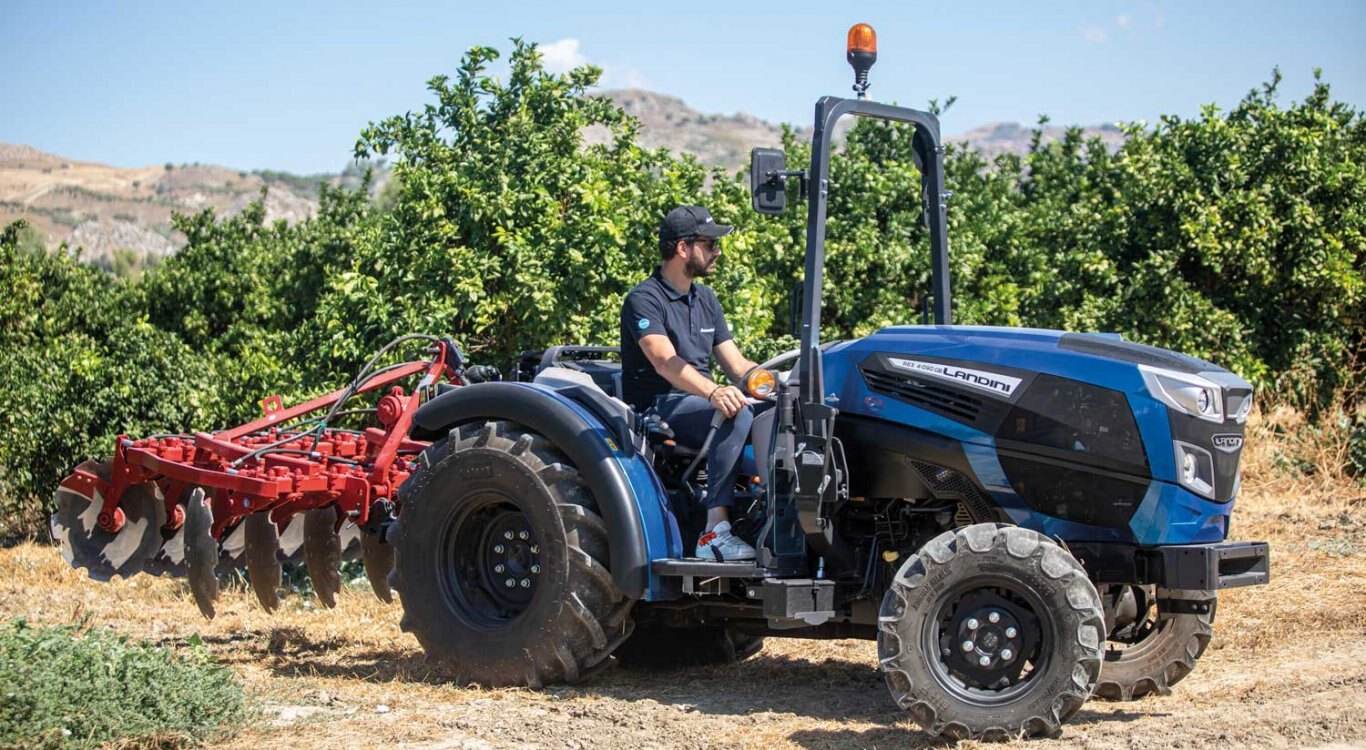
696	567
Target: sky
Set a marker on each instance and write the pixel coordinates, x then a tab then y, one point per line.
289	85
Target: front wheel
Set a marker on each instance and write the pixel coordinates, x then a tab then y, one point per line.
502	561
991	632
1149	651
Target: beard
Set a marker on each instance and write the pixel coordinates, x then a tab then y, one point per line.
696	268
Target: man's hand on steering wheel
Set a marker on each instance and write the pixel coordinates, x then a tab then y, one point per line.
727	399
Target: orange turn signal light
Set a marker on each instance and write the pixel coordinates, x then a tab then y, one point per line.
760	383
862	38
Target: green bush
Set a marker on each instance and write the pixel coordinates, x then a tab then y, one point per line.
63	688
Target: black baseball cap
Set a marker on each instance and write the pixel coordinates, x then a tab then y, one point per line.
691	221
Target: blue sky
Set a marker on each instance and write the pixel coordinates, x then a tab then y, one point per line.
289	85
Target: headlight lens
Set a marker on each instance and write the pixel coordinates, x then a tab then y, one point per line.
1190	394
1195	469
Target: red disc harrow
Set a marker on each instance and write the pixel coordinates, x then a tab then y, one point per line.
286	483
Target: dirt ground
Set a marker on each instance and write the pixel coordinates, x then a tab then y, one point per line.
1287	667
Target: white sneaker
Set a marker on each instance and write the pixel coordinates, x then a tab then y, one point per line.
719	543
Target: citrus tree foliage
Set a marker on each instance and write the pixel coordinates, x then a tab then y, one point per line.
78	366
1234	236
507	230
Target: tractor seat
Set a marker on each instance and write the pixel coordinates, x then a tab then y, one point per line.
584	389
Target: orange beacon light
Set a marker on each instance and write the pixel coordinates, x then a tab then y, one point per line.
861	53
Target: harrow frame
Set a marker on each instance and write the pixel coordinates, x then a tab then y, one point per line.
262	466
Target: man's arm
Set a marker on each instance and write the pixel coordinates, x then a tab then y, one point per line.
732	361
683	376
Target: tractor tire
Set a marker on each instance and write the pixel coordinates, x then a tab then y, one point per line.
656	646
502	561
1159	656
989	633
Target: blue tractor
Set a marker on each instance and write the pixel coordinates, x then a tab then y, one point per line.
1020	518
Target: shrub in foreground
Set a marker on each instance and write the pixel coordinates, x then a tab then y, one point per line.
60	687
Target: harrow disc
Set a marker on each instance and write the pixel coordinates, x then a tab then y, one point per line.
322	551
231	549
262	542
101	553
170	559
292	541
379	561
201	551
350	541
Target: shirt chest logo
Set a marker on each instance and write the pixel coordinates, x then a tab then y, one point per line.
707	330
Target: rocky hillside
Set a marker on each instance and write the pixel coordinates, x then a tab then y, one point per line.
725	140
99	208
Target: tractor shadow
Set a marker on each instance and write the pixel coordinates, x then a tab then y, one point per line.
762	689
292	652
902	732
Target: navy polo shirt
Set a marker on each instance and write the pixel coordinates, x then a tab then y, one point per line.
693	321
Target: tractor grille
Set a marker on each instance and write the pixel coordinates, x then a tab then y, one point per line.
927	395
947	483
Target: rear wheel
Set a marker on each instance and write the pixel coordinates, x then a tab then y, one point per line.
1148	652
991	632
502	561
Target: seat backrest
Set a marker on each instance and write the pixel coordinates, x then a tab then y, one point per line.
581	387
559	376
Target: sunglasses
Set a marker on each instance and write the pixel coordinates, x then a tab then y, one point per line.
711	244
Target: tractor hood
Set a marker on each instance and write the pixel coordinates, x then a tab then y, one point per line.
1050	401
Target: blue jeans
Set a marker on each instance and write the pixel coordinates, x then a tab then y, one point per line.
690	417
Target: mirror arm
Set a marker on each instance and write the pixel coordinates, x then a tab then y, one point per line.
780	175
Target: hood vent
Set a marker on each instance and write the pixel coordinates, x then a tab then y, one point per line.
931	396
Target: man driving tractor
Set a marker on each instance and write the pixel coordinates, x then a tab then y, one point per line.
671	327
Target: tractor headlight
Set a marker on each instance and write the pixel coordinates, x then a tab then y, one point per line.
1187	393
1195	469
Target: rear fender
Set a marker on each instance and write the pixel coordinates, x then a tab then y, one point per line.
634	507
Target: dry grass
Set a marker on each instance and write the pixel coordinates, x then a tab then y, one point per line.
1285	669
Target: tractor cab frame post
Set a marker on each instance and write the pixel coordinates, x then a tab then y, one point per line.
930	151
811	475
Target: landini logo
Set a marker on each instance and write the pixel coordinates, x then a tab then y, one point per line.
996	383
1228	443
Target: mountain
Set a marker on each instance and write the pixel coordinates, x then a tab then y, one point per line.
725	140
100	208
998	138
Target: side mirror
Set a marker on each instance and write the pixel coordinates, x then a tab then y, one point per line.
767	168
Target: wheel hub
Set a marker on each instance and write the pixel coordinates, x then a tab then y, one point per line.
995	638
511	557
494	561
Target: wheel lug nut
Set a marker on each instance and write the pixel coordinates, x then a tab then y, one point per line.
1007	654
1011	632
985	660
535	568
535	549
498	569
994	617
522	535
973	624
498	548
968	646
507	534
526	583
509	583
